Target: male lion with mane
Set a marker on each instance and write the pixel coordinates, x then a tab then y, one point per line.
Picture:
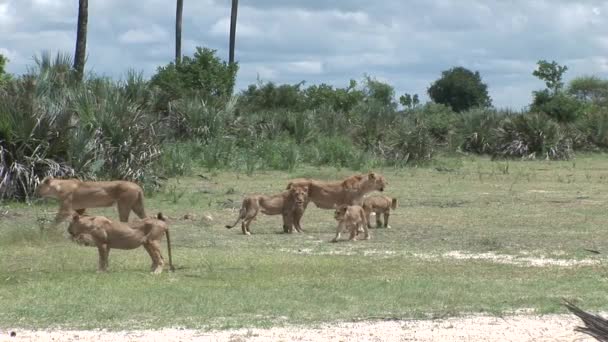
105	234
76	195
326	195
289	203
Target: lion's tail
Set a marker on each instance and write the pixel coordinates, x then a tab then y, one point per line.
163	218
171	267
241	214
394	203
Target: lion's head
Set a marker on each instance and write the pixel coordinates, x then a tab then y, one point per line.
340	212
300	194
80	229
373	181
48	188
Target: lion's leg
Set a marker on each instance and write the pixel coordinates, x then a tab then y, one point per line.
104	252
378	219
297	218
368	214
123	211
386	215
365	232
287	223
338	231
158	258
65	211
138	206
354	229
245	226
152	255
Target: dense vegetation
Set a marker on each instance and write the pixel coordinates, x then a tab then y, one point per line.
188	116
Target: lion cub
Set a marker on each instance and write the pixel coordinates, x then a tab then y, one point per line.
106	234
379	205
289	203
351	217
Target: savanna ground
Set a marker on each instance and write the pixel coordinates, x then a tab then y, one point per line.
470	237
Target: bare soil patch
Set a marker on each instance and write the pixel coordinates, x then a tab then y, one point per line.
473	328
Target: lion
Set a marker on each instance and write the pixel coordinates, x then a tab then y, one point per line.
289	203
106	234
76	195
326	195
379	205
351	217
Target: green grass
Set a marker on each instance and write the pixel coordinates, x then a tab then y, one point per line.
225	279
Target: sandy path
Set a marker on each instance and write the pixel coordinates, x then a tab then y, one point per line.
476	328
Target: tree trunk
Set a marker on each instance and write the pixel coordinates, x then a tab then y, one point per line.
81	38
235	5
178	31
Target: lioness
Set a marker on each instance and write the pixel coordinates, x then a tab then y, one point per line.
351	217
379	205
326	195
106	234
76	195
290	203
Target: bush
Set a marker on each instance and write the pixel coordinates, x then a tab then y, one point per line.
204	74
477	130
532	136
559	106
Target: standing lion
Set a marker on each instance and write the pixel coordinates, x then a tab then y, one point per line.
76	195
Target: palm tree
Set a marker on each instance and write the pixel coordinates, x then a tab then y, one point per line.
81	38
235	5
178	31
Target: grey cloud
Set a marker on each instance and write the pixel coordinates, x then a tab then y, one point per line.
406	43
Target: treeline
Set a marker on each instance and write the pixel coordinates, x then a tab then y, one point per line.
187	116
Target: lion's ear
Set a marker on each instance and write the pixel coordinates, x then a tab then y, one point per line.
75	217
372	175
47	180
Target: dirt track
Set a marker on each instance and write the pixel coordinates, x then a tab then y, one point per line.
475	328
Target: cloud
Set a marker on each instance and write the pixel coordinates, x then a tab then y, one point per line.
152	34
408	43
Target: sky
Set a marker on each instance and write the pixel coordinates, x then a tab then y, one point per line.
406	43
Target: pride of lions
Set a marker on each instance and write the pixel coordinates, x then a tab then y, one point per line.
352	210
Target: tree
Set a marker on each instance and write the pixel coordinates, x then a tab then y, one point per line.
204	74
235	6
81	38
551	73
461	89
589	89
3	74
178	31
409	101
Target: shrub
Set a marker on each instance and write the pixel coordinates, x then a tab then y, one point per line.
477	130
532	136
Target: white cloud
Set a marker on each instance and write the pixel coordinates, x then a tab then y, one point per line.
153	34
406	43
305	67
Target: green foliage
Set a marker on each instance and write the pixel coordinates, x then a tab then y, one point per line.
477	129
269	96
532	136
4	76
52	125
439	119
379	92
559	106
409	101
460	89
551	73
589	89
592	128
204	74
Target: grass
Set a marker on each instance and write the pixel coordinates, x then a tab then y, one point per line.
226	280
